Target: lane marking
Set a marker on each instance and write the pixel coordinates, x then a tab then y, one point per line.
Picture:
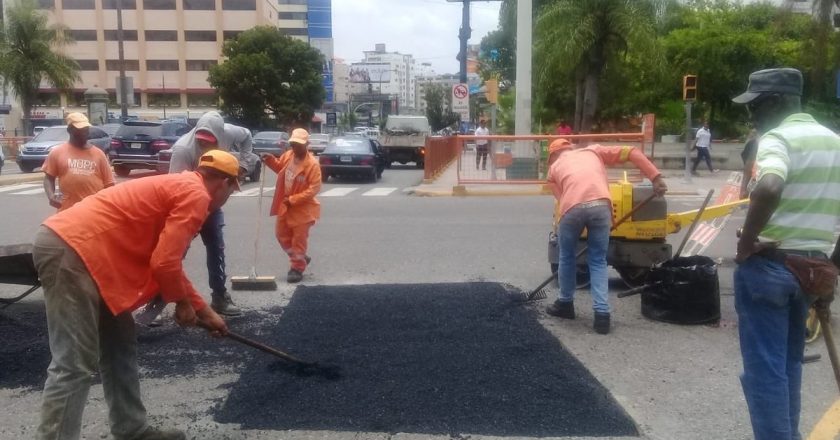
31	191
337	192
379	192
251	192
828	428
20	186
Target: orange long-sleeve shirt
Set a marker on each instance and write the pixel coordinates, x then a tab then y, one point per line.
132	238
580	176
306	183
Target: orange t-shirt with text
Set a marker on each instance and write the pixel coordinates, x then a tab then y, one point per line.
80	172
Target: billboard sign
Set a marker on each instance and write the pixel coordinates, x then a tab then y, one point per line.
370	73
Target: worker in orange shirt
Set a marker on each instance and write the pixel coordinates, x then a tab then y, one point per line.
294	204
578	179
80	168
104	257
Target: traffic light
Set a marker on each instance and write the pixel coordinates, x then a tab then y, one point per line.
492	90
690	88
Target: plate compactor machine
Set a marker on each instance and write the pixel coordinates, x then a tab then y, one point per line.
639	243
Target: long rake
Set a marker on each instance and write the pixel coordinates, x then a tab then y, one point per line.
540	293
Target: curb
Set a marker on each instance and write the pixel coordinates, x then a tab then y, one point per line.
22	178
461	191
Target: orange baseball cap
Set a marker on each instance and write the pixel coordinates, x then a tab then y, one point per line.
206	136
299	136
221	161
77	120
559	145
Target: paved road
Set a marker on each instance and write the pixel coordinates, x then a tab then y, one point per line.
677	382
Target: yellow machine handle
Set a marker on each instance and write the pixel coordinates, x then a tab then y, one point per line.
677	220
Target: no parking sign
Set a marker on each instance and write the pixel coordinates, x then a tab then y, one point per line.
461	101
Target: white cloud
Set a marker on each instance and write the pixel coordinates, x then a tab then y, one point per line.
426	29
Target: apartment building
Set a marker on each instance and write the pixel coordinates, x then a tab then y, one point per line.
169	47
423	83
387	73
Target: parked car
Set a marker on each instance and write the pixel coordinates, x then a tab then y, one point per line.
274	142
317	142
352	156
33	153
137	143
110	128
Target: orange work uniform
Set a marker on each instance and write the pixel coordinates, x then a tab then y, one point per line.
298	182
132	238
80	172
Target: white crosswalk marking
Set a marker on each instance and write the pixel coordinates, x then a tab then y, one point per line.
19	187
337	192
28	192
252	192
379	192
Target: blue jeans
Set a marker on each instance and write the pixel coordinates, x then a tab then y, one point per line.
772	310
597	220
214	241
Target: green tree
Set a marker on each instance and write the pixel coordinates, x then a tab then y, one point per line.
269	79
438	105
578	39
347	121
30	52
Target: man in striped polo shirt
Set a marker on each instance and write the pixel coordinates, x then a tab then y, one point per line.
794	209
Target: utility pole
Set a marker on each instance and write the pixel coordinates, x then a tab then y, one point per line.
122	81
522	122
464	35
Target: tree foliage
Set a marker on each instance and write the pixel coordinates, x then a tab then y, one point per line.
30	52
438	107
269	79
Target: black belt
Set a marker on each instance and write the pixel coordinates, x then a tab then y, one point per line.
779	255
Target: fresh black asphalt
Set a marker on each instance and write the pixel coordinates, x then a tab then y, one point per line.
416	358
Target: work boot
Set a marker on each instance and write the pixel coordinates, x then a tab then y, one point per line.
294	276
601	323
223	305
160	434
561	309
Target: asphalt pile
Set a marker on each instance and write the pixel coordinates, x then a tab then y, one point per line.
427	359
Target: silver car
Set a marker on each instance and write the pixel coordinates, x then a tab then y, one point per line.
318	141
33	153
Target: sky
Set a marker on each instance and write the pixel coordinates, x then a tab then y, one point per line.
426	29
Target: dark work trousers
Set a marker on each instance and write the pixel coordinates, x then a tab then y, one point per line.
214	241
702	154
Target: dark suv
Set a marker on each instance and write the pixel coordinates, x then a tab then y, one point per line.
136	144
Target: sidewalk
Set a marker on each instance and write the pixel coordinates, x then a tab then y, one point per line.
13	179
447	185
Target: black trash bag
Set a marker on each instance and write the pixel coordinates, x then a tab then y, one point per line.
686	291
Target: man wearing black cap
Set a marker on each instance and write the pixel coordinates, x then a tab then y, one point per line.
793	210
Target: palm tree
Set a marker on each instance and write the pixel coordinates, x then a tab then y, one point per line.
578	38
30	53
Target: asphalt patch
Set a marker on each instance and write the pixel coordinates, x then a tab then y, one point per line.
426	359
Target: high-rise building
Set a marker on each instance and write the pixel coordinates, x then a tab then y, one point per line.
423	83
341	78
385	73
293	17
320	37
169	46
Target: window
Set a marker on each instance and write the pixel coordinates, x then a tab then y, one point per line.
162	65
166	5
239	5
200	65
294	31
76	99
164	99
292	2
78	4
112	99
88	65
52	99
200	35
200	5
201	100
161	35
82	34
112	4
128	35
291	15
229	35
46	4
114	65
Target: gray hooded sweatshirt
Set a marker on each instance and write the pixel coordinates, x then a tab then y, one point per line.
185	152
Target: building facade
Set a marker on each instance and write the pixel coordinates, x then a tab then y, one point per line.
423	83
319	27
385	73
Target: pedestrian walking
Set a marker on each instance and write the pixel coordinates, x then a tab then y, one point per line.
80	168
793	212
563	129
703	145
104	257
294	204
482	146
578	179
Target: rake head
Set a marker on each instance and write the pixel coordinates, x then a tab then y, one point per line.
535	295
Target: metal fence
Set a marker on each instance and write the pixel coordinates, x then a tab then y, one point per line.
524	159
